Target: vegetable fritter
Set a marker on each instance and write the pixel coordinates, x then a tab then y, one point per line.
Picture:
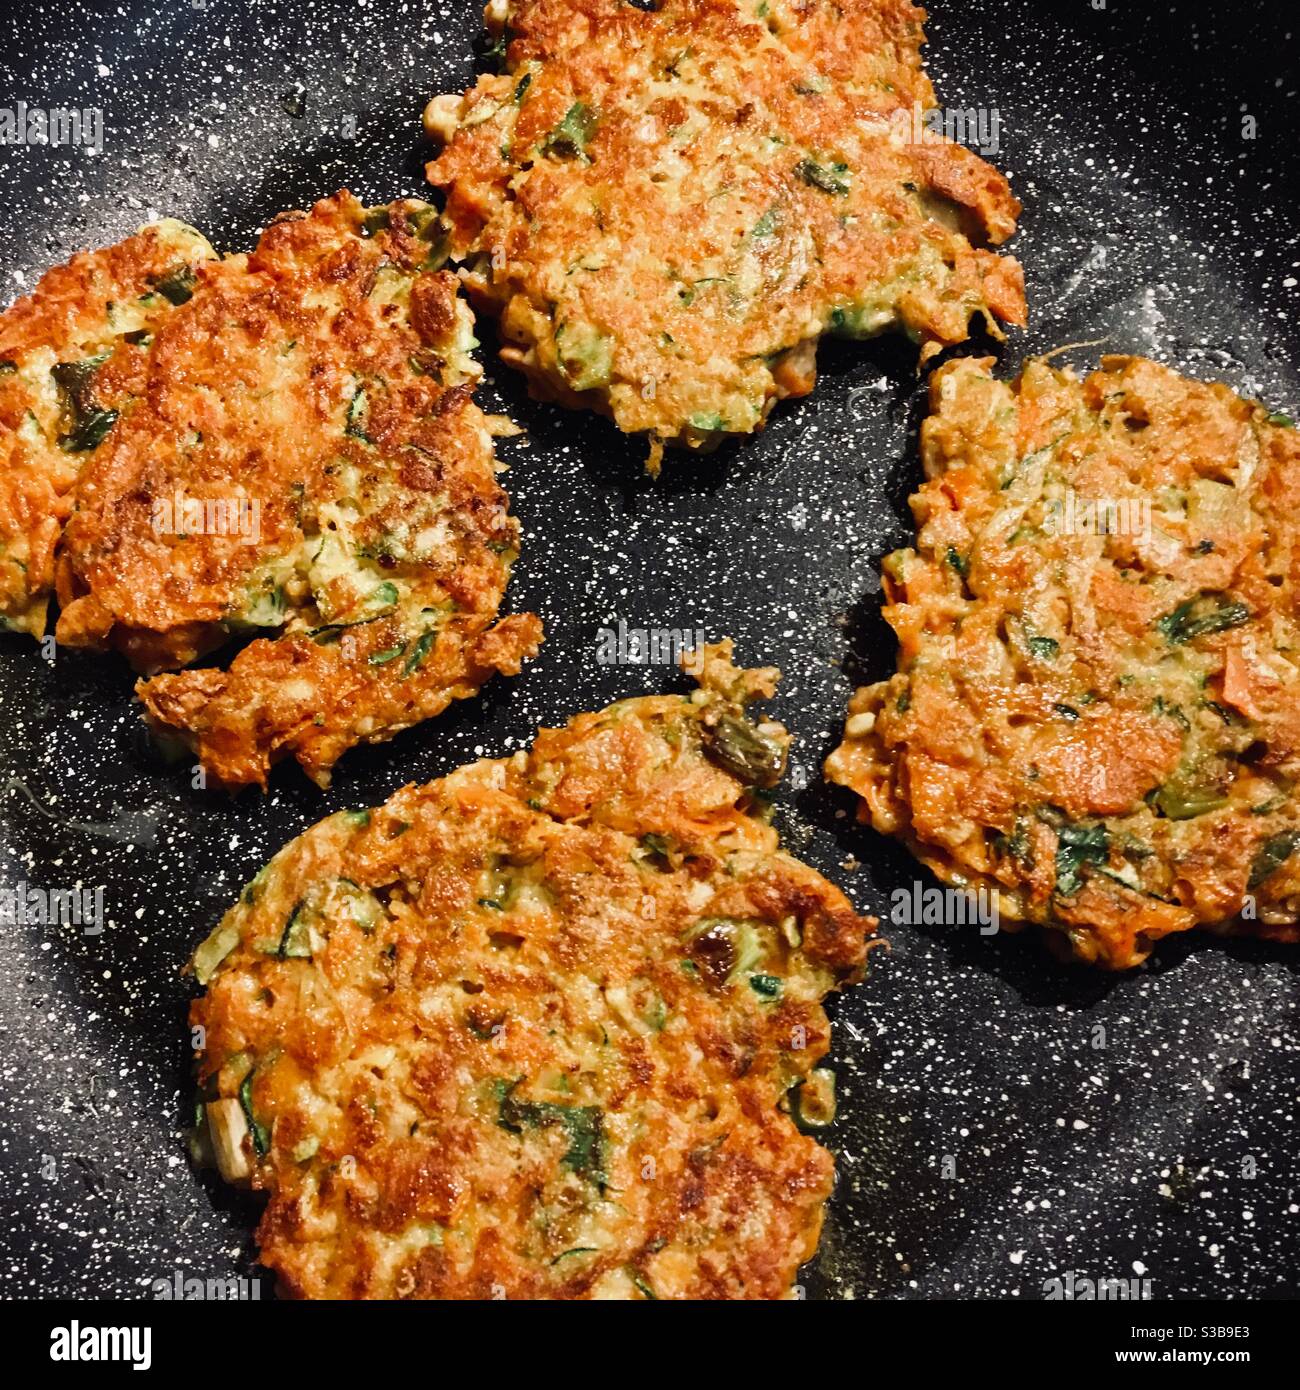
305	465
538	1029
669	206
73	360
1097	708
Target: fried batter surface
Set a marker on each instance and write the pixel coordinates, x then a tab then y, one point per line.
534	1030
1097	708
73	362
668	207
304	461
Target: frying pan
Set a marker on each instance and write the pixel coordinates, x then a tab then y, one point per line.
1004	1119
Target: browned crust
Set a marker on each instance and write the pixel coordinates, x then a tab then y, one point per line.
1096	720
701	235
550	933
323	380
96	306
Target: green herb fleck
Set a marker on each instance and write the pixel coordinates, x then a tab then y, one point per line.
295	940
177	286
707	423
424	644
1181	798
375	220
90	432
577	1250
570	138
766	225
584	1126
1077	845
1196	617
261	1135
1272	854
358	410
89	424
830	178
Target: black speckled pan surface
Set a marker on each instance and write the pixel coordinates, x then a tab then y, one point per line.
1003	1119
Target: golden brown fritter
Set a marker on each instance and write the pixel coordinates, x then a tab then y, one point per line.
536	1030
669	207
305	460
72	361
1097	708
